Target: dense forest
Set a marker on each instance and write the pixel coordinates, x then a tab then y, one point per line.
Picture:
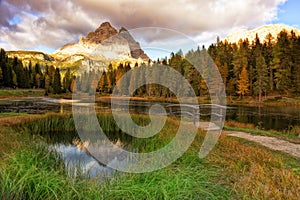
255	68
14	75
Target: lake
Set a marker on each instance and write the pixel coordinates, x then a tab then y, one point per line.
264	117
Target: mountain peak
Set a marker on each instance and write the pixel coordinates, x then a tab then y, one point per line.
103	32
123	30
105	42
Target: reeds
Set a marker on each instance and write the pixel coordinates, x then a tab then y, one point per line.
235	169
34	172
38	173
255	172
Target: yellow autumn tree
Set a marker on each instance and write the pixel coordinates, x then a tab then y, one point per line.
243	83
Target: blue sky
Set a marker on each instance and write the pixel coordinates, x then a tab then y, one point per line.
289	13
46	25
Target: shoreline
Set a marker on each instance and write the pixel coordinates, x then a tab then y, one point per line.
271	100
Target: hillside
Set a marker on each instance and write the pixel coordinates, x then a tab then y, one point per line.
262	32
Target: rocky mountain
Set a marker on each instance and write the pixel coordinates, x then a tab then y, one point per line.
262	32
105	43
99	48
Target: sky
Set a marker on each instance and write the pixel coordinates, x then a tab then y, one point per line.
46	25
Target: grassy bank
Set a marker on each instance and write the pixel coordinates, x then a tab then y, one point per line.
24	172
10	93
12	114
291	135
235	169
274	100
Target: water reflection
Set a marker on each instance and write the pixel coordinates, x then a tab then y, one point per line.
276	118
78	161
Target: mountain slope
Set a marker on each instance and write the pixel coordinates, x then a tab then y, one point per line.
262	32
105	43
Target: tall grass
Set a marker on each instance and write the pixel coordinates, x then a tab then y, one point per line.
37	173
56	127
235	169
255	172
292	133
21	92
12	114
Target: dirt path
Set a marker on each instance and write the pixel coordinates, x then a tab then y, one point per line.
270	142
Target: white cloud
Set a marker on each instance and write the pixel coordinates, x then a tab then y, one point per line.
53	23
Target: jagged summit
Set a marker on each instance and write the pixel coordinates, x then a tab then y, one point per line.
123	30
104	43
104	32
262	32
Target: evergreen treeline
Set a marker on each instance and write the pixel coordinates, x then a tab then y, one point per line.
247	69
253	68
14	75
260	67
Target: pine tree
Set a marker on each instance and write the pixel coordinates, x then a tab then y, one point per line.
261	83
47	84
27	78
9	78
51	73
124	84
282	63
175	62
111	78
119	74
132	82
148	76
240	59
19	71
14	83
38	80
67	81
192	75
57	82
268	55
243	83
295	52
1	77
102	85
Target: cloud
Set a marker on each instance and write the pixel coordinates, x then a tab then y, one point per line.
52	23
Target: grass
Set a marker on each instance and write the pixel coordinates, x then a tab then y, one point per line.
9	141
37	173
24	172
255	172
12	114
57	127
290	135
273	100
7	93
235	169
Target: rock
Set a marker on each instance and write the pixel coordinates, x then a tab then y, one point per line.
102	33
103	43
135	48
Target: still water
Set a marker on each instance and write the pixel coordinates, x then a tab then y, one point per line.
264	117
78	160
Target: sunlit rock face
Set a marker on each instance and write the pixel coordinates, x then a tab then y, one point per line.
262	33
104	43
